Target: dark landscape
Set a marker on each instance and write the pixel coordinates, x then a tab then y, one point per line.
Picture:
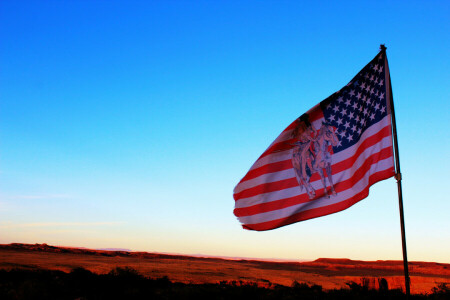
42	271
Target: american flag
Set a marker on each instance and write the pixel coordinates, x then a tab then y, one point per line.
326	160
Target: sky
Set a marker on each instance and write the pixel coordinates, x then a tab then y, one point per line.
127	124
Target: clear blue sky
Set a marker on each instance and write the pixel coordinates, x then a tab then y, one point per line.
127	124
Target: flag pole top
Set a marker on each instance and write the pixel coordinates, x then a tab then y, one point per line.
382	47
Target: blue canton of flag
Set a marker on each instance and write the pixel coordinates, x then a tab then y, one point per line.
357	106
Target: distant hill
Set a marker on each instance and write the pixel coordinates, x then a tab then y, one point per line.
115	249
330	273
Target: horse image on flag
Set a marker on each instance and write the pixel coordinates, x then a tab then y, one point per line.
323	143
312	153
302	155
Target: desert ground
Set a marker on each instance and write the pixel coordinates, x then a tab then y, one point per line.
329	273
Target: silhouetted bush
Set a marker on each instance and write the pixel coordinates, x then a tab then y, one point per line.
125	273
442	291
127	283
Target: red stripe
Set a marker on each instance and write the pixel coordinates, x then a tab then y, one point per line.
278	147
287	164
322	211
270	187
339	187
314	114
268	168
291	126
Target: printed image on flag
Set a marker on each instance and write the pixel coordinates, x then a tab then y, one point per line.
326	160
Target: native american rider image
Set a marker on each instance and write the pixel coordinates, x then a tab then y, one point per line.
312	153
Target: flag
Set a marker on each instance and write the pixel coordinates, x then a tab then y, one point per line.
326	160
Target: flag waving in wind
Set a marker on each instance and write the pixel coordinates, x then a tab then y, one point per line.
326	160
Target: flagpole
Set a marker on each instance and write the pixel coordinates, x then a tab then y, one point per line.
398	177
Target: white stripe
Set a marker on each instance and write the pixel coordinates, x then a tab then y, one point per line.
337	157
265	178
272	158
321	202
317	184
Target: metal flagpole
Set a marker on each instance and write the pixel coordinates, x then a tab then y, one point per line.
398	177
